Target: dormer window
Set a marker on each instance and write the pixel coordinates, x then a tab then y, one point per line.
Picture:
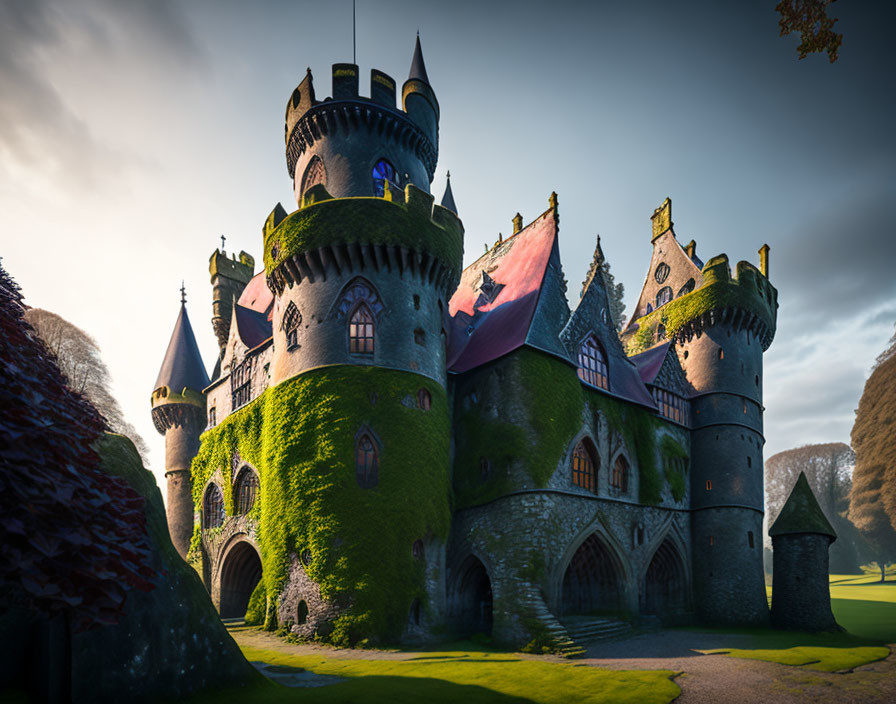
383	171
593	368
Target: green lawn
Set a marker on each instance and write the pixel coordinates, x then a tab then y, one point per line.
469	677
862	605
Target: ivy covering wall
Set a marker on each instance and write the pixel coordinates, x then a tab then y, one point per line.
300	436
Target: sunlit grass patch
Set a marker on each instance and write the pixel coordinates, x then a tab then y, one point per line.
469	677
812	658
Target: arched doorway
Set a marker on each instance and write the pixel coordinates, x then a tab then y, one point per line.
665	586
593	580
240	573
473	604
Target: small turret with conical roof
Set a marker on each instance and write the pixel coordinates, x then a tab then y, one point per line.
448	196
178	412
801	536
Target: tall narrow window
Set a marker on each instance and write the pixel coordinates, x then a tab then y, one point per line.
314	174
383	171
360	331
366	462
291	320
424	399
246	490
583	467
619	477
663	296
241	383
213	507
593	364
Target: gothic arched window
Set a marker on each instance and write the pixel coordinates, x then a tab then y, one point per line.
360	331
424	399
366	462
246	490
663	296
213	507
291	320
584	464
619	476
593	368
314	174
383	171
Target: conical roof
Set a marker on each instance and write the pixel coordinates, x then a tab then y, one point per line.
801	513
182	367
418	68
448	197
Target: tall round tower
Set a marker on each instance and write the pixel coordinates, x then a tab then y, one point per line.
178	412
356	146
722	330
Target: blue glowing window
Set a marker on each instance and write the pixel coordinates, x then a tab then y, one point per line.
383	171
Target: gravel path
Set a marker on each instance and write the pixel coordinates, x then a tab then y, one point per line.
704	679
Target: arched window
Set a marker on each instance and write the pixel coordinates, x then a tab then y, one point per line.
661	273
593	364
619	476
291	321
366	462
383	171
314	174
687	288
584	466
246	490
663	296
360	331
424	399
213	507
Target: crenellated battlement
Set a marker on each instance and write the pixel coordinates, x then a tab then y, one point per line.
746	300
405	231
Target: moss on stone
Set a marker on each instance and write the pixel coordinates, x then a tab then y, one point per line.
671	452
334	221
300	436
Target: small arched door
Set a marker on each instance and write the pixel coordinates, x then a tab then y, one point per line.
240	574
474	598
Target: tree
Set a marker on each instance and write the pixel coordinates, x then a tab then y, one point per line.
615	294
810	19
80	361
828	467
873	496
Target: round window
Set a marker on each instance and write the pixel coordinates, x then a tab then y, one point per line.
661	273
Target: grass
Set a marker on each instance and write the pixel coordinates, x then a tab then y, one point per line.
862	605
450	676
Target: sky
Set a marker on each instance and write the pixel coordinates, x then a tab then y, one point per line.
133	134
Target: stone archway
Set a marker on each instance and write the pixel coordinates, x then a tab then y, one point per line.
665	584
240	573
473	598
593	581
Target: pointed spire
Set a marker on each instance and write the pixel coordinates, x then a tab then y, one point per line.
448	197
418	68
182	367
801	513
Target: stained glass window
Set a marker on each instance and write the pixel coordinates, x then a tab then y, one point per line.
383	171
593	364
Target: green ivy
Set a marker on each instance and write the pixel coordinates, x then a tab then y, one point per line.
672	451
257	609
300	436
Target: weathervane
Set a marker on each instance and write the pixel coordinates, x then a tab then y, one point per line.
183	293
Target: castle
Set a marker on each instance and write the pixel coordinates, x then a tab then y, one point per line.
392	447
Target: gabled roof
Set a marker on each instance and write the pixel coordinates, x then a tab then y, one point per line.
182	367
649	362
801	513
257	296
485	327
252	327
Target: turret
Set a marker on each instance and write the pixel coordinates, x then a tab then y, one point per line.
360	146
720	326
229	277
178	413
801	536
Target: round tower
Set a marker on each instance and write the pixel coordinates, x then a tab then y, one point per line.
721	331
356	146
801	536
178	412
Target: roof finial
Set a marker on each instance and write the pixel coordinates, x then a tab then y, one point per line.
183	293
222	243
552	201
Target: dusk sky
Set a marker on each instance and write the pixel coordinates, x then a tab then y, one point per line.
134	134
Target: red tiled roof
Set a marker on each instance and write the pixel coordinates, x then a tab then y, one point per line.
483	329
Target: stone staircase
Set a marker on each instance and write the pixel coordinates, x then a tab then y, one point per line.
588	629
566	646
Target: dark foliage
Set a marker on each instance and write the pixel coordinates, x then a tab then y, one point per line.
71	537
810	19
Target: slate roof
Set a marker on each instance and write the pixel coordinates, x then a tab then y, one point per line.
252	327
448	197
487	326
257	296
182	367
801	513
649	362
418	68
